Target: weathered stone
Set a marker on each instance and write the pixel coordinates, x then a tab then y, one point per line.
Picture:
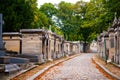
11	68
109	46
12	42
32	42
17	60
31	57
4	60
38	45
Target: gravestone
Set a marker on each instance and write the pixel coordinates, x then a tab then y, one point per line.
2	48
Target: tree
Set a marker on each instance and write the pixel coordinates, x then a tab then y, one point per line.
17	14
93	19
112	6
40	20
67	20
49	10
80	21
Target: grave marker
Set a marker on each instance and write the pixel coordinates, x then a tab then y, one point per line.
2	48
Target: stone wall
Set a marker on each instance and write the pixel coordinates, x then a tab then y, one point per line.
31	42
12	42
109	46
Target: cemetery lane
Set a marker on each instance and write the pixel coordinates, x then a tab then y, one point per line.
78	68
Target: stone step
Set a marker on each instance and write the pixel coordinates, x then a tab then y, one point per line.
17	60
11	68
4	60
32	57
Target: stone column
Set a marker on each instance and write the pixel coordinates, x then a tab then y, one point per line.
63	54
44	44
49	47
119	50
112	46
2	48
44	49
59	48
119	40
54	47
118	47
49	50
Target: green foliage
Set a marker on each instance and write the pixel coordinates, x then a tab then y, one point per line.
112	6
57	30
49	10
40	20
68	20
79	21
19	14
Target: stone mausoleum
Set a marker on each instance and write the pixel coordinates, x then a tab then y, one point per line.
109	43
20	50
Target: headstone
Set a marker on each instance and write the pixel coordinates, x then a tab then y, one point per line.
2	48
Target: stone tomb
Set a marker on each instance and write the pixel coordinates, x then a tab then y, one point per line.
9	63
67	47
50	45
59	48
12	42
32	40
75	47
111	44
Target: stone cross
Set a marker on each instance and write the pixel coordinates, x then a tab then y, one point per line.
2	48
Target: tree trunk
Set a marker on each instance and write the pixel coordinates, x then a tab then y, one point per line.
84	47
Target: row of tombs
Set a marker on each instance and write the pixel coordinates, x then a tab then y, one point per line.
35	46
109	43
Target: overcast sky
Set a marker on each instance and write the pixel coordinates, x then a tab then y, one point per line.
40	2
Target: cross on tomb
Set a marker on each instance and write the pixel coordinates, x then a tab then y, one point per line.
2	48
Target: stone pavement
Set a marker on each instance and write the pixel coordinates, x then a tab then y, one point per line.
78	68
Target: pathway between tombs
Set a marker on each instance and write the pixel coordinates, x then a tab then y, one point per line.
78	68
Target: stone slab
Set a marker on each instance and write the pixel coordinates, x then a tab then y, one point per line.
4	60
31	57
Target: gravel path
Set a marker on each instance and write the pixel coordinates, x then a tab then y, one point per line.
78	68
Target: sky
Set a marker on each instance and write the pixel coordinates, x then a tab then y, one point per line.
40	2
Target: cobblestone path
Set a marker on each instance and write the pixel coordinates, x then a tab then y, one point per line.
78	68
